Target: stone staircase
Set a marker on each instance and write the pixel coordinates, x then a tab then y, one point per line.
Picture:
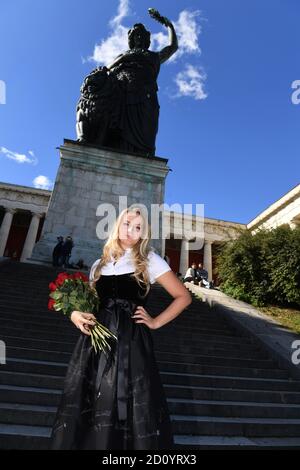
223	390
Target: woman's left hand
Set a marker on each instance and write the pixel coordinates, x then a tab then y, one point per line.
142	316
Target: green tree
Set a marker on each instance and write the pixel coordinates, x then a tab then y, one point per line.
262	268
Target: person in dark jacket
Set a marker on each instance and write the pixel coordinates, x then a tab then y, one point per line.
56	254
202	276
66	251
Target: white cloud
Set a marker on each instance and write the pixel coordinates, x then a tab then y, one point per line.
188	31
123	11
19	157
105	52
190	82
42	182
159	40
2	92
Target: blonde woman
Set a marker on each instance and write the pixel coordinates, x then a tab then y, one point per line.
117	401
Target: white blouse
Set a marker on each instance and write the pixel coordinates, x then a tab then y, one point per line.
156	266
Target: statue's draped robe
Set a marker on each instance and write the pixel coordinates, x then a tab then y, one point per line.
138	120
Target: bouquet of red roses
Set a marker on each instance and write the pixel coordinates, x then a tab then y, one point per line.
71	292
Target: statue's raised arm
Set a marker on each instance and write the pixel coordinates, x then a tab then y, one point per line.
169	50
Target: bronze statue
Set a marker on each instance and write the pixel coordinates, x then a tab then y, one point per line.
118	107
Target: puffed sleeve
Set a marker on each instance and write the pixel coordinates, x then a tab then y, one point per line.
92	270
157	266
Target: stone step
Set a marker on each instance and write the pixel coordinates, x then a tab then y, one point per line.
36	437
52	327
206	396
225	394
218	349
60	356
9	292
30	395
210	359
35	367
19	302
217	426
24	437
37	308
40	327
231	382
25	304
232	409
202	348
195	310
50	316
187	443
69	334
16	341
22	379
198	330
190	339
38	354
222	370
26	280
185	424
287	390
19	413
59	368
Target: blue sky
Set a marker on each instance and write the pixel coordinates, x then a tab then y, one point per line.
227	122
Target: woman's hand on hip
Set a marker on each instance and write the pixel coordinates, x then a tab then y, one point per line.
142	316
83	321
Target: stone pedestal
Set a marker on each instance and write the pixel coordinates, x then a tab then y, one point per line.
87	177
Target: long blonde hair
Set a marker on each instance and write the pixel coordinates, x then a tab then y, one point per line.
140	251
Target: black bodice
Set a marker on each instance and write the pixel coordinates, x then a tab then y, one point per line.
121	286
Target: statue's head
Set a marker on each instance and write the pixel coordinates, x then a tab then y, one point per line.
138	36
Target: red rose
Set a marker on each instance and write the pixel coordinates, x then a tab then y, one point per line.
79	275
52	286
63	275
51	304
61	278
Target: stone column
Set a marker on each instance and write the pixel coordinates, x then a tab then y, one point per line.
31	236
207	258
164	237
5	228
184	257
163	247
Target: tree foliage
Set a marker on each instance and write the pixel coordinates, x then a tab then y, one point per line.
262	268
